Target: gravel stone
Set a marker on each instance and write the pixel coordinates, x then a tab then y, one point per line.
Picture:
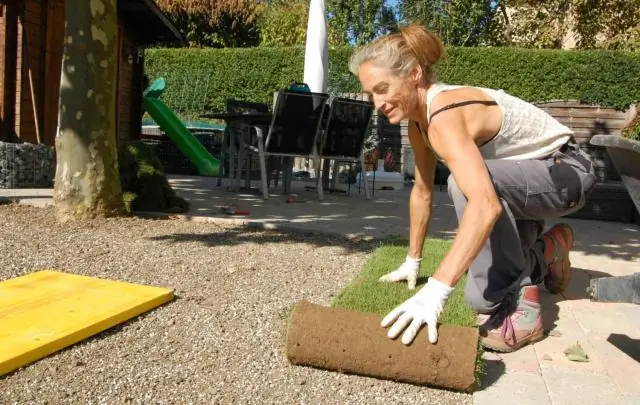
220	341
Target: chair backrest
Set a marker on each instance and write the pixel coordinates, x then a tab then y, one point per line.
348	126
296	122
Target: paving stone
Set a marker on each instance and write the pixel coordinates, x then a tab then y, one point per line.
550	304
577	288
570	387
601	318
603	265
566	333
632	313
517	388
524	360
632	400
622	358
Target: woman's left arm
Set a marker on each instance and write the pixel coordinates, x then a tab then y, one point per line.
451	140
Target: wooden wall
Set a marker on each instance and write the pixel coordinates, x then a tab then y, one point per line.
8	43
125	80
587	120
40	53
30	71
54	47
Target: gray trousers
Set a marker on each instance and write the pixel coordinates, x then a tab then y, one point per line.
531	191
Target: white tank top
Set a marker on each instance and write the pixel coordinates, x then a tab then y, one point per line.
527	132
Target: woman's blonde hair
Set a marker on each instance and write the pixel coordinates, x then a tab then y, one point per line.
401	51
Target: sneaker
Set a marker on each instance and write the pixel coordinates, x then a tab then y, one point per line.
516	324
558	241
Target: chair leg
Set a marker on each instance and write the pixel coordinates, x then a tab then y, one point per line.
241	163
363	173
233	156
320	188
247	179
263	164
223	157
287	174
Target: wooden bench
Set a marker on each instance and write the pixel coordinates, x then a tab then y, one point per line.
610	201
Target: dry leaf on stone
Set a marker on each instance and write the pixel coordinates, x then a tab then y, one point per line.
576	353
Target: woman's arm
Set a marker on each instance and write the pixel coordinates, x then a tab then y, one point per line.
421	198
451	140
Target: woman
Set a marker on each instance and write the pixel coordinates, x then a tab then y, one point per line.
512	167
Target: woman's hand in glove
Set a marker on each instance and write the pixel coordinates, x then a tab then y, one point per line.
424	307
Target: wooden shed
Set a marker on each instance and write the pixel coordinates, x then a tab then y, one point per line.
31	49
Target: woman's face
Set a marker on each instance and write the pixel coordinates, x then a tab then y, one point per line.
394	96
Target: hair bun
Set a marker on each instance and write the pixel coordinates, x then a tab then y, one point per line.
423	43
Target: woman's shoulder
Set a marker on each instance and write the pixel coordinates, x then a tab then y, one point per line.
450	96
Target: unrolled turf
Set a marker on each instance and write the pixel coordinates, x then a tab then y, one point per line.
353	342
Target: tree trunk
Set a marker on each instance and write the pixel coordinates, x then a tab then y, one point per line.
87	181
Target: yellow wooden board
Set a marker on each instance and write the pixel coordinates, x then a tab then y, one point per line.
46	311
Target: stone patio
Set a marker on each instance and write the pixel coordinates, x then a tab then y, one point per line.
538	374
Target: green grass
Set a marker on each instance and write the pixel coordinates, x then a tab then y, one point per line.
365	293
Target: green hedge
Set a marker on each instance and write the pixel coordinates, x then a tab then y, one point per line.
200	80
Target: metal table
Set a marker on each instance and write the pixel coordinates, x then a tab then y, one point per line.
255	119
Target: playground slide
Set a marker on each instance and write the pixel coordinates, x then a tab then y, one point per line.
204	162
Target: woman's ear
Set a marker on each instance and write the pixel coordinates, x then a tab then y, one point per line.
416	74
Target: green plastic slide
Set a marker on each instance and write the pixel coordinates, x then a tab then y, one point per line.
206	164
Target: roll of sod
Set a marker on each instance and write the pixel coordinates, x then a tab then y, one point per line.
353	342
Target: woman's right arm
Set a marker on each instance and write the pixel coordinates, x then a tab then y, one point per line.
421	198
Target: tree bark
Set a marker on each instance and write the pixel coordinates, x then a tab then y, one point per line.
87	183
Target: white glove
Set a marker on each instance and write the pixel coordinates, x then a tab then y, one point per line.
424	307
407	271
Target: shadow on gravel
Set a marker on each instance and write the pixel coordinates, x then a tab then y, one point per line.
233	237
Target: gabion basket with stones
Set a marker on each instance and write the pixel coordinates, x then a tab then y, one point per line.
25	165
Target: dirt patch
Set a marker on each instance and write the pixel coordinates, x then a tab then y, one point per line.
355	343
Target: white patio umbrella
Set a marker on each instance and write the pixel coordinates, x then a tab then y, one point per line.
316	58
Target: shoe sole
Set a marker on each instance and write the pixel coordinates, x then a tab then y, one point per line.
567	233
530	339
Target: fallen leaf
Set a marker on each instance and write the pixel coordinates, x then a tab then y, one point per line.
576	353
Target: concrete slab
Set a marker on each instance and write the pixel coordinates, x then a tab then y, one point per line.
632	313
622	359
571	387
565	333
514	388
523	360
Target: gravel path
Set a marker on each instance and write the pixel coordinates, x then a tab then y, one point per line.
221	341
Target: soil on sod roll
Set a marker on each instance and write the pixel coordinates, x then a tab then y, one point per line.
354	342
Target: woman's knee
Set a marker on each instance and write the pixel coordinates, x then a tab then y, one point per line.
475	299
